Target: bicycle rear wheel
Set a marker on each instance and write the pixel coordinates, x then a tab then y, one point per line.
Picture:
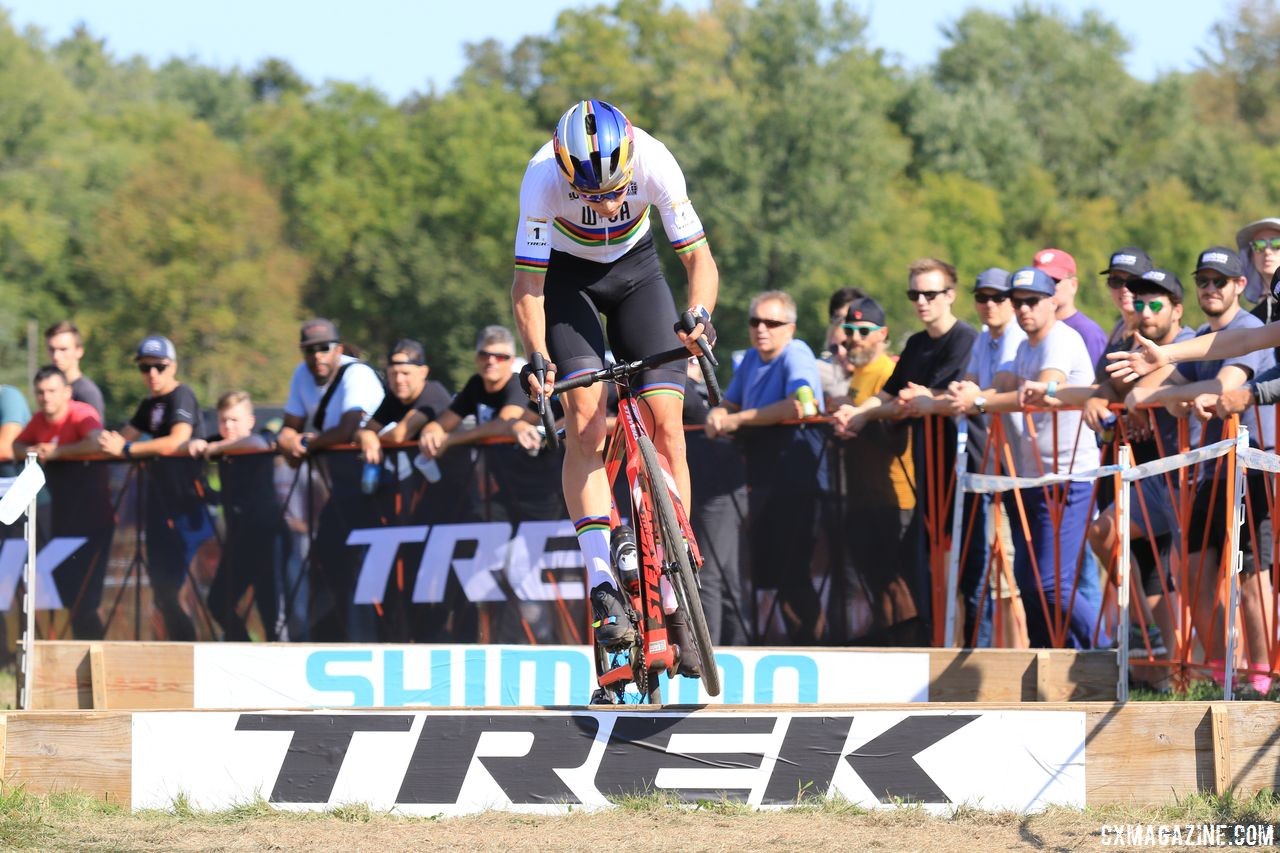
674	550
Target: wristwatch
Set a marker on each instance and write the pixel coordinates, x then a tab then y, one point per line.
980	403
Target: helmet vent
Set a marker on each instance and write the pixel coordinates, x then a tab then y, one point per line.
591	124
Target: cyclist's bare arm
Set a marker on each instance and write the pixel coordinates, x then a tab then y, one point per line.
704	283
531	321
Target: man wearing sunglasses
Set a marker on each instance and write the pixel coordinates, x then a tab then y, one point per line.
170	415
330	395
584	249
1126	265
1259	245
1196	387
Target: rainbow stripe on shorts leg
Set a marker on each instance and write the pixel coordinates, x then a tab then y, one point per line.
591	522
662	389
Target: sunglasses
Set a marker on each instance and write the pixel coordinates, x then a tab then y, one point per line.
1204	282
1262	245
860	330
1156	305
1026	301
485	355
984	298
146	369
769	324
318	349
1116	282
914	295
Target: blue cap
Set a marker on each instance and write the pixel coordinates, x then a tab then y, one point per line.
156	346
992	279
1030	278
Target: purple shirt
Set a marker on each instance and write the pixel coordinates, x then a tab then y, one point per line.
1095	340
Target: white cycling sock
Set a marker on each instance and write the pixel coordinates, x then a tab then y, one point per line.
593	539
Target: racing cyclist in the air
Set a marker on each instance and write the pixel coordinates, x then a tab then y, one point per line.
584	248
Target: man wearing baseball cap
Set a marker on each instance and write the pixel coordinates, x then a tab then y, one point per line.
1052	356
878	460
170	415
1126	264
1196	387
1259	247
1061	267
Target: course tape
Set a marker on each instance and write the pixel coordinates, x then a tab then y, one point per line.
988	483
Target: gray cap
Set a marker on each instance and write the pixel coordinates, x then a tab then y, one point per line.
156	346
992	279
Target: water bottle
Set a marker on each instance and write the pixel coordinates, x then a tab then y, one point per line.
430	468
808	406
370	478
626	559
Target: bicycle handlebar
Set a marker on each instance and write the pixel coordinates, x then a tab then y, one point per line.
539	365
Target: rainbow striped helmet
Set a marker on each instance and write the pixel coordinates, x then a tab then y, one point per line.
594	145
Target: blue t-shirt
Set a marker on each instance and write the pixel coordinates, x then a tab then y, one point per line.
757	383
13	410
1261	420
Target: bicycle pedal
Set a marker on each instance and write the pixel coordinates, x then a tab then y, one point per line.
605	696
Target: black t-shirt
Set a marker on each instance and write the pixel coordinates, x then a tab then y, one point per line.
432	402
933	362
171	482
485	405
248	485
86	391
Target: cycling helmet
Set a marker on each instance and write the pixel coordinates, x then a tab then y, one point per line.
594	146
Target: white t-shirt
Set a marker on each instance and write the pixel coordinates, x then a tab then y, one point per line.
553	217
360	389
1062	349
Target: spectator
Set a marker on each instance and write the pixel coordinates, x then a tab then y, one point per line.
782	464
1061	267
1125	265
174	514
932	359
1195	387
497	403
1259	245
66	348
833	368
1157	303
882	501
414	401
68	429
1046	562
719	510
991	370
255	541
14	415
330	395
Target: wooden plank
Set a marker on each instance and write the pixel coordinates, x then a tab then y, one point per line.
1147	752
150	675
62	678
1219	727
98	676
1043	668
89	751
1255	746
986	675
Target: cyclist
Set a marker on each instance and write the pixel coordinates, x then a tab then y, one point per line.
584	248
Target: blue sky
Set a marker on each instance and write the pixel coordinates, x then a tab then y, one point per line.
399	46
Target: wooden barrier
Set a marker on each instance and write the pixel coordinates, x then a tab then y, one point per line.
141	676
1141	753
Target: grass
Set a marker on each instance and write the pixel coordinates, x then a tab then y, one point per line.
1200	691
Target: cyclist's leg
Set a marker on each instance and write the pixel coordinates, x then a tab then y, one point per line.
576	343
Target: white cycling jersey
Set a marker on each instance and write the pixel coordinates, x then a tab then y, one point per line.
553	217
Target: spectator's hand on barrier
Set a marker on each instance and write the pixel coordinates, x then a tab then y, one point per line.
1033	394
370	447
849	422
960	396
1145	358
719	422
197	447
1138	427
431	441
916	400
1205	406
1096	414
111	442
527	436
1234	402
45	449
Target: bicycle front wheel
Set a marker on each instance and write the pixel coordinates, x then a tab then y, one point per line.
676	552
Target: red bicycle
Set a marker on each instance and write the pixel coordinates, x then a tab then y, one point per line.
666	542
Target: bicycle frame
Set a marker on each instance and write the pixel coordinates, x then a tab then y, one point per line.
646	599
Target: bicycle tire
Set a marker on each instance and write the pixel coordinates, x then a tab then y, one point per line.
683	580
